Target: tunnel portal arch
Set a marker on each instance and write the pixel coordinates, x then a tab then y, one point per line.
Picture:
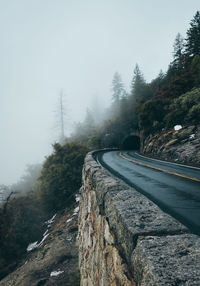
131	142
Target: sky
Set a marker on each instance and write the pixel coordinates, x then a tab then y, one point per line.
73	46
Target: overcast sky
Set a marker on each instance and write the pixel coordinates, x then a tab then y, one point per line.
76	46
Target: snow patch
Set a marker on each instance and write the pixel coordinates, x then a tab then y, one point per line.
50	221
177	127
45	232
192	136
76	210
32	246
35	244
43	239
56	273
77	198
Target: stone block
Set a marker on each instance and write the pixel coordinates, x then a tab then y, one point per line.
167	261
131	214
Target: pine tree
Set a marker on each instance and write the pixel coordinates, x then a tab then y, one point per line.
195	70
89	122
117	87
138	84
156	84
193	36
178	47
178	52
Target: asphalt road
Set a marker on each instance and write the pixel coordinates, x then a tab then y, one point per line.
174	188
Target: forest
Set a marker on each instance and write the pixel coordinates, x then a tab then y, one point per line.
171	98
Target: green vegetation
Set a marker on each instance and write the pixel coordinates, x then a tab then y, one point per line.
20	223
60	178
184	110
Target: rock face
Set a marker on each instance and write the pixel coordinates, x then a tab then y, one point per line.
182	146
55	261
173	260
100	261
125	239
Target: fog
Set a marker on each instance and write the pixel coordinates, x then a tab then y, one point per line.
74	46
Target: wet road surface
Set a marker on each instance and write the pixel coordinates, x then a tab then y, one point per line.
174	188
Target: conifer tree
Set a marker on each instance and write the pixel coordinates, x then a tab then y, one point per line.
178	47
117	87
89	122
193	36
178	51
195	70
138	84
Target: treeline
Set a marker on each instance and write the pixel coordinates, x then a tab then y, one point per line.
169	99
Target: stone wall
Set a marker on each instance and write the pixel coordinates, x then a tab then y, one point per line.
125	239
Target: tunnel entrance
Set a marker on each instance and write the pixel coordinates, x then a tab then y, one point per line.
131	142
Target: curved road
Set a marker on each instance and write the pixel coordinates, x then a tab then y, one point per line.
173	187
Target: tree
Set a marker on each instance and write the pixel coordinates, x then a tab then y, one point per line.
20	222
29	181
178	48
117	87
179	64
89	122
97	109
61	175
139	89
138	85
156	84
62	132
4	192
193	36
151	114
195	70
61	118
127	116
184	109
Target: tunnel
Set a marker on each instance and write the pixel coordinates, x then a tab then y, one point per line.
131	142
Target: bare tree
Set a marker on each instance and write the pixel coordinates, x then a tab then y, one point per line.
62	130
61	117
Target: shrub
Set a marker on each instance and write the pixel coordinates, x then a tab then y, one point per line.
61	175
184	109
174	117
151	115
194	114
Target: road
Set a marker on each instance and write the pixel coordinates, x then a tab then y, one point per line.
174	188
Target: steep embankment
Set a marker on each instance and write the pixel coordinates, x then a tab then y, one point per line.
181	146
54	260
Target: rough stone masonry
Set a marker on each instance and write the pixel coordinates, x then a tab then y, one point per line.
125	239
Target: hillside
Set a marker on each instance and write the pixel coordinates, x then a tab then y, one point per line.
180	146
55	260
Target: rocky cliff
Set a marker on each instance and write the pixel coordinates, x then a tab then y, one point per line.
181	146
